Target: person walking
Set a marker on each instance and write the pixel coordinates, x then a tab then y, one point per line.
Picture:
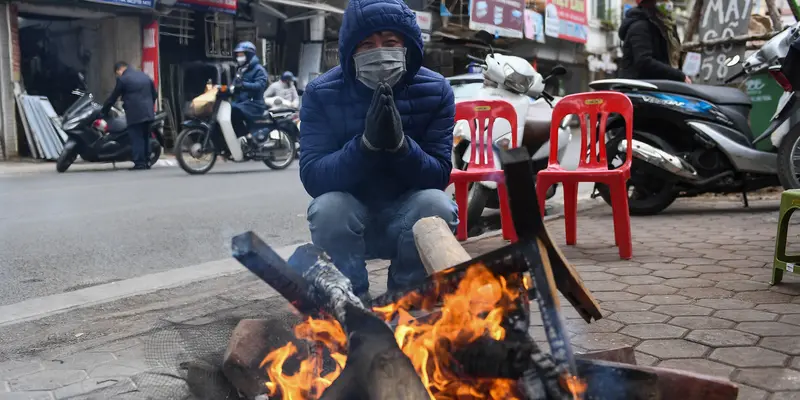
139	96
377	140
284	89
651	48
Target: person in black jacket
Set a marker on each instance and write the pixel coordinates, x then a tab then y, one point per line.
651	48
138	96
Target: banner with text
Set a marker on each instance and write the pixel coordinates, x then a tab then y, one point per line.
500	17
567	20
225	6
534	26
131	3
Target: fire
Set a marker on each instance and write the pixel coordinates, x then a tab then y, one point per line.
574	385
475	310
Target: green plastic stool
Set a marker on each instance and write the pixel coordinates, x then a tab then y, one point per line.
790	201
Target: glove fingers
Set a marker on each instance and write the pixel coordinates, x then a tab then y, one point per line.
375	99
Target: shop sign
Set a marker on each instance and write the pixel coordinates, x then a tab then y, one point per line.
691	63
534	26
131	3
225	6
500	17
567	20
425	22
722	19
150	51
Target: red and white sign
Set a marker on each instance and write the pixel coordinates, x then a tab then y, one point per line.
16	58
567	20
150	51
226	6
425	21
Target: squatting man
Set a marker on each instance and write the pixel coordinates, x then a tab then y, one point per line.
377	138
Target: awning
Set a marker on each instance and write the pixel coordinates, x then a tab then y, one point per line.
306	4
270	10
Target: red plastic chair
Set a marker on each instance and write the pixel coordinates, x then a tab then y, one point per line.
481	167
595	167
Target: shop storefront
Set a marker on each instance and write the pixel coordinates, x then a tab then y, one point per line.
53	42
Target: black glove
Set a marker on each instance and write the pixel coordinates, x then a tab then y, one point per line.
392	125
373	129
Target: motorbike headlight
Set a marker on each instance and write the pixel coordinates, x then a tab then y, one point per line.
515	81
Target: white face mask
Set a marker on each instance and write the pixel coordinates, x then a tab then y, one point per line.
383	64
241	60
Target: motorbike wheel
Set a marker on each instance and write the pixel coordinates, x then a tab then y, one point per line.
647	195
155	152
191	141
67	156
788	171
476	201
290	150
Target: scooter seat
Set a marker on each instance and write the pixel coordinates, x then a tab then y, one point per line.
720	95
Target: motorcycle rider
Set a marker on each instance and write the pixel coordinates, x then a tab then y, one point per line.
651	48
248	88
284	89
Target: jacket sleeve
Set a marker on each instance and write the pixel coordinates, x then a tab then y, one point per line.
258	83
427	163
113	98
271	90
326	166
641	45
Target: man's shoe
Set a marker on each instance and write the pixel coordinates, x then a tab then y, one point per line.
139	168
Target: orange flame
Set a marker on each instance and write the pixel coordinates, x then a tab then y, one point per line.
475	310
574	385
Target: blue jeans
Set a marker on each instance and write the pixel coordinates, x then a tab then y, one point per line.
351	233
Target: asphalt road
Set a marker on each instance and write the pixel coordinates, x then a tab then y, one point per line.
62	232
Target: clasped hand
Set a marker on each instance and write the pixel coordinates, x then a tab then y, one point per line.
383	128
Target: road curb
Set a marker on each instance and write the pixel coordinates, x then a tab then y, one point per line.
41	307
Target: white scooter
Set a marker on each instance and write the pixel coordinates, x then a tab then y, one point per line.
514	80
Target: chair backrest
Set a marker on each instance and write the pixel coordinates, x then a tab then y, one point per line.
592	104
477	113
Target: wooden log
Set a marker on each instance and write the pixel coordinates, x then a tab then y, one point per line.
438	247
774	15
694	22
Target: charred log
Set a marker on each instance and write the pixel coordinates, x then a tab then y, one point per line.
376	368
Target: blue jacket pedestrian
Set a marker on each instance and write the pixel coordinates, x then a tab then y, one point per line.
376	139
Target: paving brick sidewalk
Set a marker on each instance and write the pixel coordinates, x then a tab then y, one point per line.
695	297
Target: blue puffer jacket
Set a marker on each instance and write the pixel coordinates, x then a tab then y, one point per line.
335	105
251	87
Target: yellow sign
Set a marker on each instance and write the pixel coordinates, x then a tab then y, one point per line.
483	108
592	102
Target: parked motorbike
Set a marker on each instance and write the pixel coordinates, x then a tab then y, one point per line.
270	140
691	139
282	109
514	80
101	140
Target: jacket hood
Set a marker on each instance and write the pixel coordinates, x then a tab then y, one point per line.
254	60
365	17
633	15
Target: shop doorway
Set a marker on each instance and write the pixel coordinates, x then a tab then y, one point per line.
55	49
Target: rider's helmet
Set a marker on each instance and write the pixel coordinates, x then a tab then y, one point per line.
287	76
248	48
